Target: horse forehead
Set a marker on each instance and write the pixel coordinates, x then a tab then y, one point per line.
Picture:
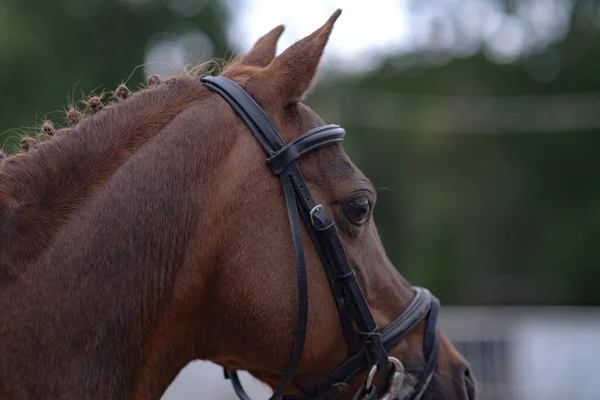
308	118
333	165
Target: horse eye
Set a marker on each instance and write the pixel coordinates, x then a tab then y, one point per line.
358	210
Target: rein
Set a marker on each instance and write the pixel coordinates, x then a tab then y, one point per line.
367	345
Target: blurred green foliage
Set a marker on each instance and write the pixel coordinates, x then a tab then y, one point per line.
480	218
52	52
485	214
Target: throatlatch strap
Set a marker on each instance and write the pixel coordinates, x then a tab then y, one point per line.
292	206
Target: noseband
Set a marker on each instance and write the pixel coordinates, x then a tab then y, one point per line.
367	345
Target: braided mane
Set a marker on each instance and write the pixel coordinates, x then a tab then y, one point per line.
74	115
58	170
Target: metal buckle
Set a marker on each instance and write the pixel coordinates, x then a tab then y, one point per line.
370	377
315	209
395	382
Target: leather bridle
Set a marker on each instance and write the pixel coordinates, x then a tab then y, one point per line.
367	345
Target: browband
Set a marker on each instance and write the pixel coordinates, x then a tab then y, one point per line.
312	140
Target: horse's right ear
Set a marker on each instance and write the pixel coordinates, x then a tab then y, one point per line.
263	51
290	75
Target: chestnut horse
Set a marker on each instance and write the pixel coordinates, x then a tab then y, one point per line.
151	233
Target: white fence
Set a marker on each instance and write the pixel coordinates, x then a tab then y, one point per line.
536	353
517	353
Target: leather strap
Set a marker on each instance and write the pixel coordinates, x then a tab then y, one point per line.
292	206
310	141
286	380
419	307
249	110
430	351
337	289
366	325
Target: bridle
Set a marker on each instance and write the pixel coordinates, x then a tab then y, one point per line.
367	345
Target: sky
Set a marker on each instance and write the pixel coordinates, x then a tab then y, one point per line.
370	30
361	33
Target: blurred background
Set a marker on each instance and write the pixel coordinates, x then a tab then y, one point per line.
477	120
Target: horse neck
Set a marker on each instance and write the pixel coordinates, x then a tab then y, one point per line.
106	309
41	190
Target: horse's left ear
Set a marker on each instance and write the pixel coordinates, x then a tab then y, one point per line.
263	51
289	76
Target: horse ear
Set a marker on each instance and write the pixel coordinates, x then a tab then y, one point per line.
290	75
263	51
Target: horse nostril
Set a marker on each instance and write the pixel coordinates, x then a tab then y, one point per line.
470	386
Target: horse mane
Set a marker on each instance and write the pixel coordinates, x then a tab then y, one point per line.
55	173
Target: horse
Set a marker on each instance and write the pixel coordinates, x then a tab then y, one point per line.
151	232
